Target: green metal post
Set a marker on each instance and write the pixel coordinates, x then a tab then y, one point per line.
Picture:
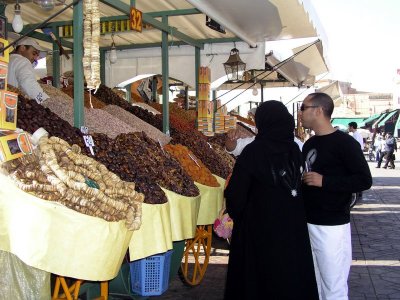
154	84
102	66
133	3
79	117
165	78
3	9
56	60
197	76
214	99
129	93
187	97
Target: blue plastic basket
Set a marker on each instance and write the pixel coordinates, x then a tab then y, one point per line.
150	275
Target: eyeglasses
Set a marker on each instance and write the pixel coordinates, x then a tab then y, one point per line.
304	107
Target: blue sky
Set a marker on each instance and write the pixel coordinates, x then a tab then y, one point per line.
364	41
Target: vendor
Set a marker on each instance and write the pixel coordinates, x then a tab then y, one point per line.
20	68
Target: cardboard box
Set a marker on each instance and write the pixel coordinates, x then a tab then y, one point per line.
4	56
14	145
208	133
3	75
204	92
8	110
204	75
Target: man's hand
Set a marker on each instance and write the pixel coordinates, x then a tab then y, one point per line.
313	179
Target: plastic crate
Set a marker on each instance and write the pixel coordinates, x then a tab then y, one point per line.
150	275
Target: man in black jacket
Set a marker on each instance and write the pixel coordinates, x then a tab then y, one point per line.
335	168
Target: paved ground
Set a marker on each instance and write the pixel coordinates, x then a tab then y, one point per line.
375	273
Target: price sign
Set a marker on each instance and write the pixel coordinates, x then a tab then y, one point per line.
136	20
88	140
84	130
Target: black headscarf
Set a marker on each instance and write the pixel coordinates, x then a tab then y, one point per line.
273	151
275	126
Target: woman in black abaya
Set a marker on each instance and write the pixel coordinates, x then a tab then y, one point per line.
270	254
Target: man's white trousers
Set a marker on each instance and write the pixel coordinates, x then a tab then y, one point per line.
331	247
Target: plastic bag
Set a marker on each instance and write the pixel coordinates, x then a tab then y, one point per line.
20	281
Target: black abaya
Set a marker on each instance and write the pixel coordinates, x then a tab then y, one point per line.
270	254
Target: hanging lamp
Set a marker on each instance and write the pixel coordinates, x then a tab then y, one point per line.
234	66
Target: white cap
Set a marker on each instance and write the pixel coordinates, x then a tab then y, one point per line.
27	41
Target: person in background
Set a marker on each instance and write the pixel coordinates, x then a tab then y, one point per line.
358	137
388	153
335	168
270	254
252	114
378	146
20	69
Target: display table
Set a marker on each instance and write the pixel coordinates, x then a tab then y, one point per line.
198	249
211	201
50	237
183	213
154	235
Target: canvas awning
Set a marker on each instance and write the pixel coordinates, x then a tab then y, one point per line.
303	68
333	90
344	122
369	120
387	117
259	20
397	128
263	20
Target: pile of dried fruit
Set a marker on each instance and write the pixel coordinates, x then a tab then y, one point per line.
138	158
58	172
180	132
31	116
218	139
186	116
192	165
225	156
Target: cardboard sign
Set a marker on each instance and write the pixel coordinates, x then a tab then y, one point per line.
4	55
3	75
14	145
8	110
